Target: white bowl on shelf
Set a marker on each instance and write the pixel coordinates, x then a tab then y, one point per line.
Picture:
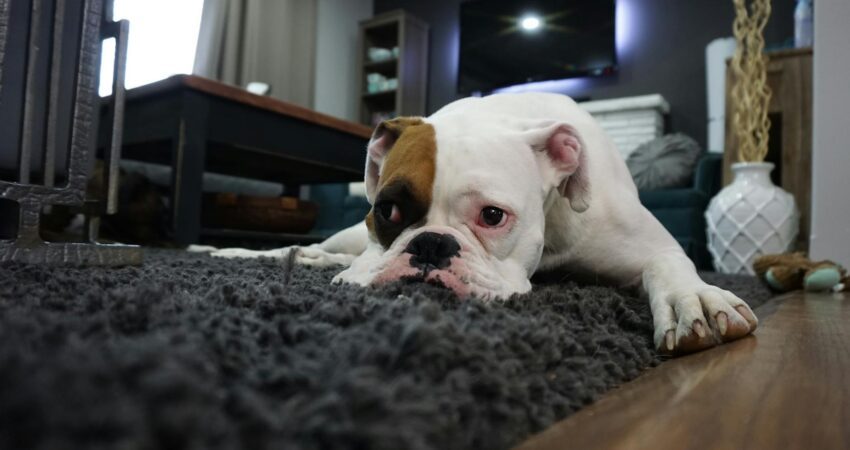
377	54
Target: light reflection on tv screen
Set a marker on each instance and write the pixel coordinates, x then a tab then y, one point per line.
507	42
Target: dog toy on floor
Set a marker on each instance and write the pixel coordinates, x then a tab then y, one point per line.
791	271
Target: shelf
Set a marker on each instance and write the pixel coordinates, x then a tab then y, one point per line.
383	67
381	95
393	29
382	35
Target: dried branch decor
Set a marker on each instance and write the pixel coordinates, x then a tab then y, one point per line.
750	93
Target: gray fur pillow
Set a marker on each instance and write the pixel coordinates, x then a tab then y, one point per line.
664	162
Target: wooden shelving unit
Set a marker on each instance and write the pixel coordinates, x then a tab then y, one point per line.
409	66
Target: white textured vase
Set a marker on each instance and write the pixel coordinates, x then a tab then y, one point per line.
749	218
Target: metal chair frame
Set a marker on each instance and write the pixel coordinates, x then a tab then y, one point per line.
28	246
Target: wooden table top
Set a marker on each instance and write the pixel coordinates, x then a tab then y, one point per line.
786	387
240	95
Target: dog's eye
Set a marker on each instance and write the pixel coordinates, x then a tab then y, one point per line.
389	212
492	217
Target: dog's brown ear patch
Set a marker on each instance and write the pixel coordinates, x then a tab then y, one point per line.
413	159
408	166
383	140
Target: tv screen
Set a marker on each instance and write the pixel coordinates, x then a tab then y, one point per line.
508	42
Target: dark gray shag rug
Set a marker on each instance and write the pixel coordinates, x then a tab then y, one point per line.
191	352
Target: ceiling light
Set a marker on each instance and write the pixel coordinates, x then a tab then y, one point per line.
530	23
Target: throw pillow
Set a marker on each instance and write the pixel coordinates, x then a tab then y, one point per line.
665	162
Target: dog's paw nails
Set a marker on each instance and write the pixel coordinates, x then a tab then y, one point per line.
670	340
698	328
722	323
703	317
748	315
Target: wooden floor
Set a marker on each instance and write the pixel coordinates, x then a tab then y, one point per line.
786	387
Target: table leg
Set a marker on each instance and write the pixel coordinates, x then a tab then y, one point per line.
188	163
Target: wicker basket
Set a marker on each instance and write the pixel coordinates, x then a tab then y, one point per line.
269	214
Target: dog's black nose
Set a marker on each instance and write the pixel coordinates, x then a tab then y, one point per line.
432	250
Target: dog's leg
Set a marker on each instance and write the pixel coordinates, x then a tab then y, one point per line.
630	247
339	249
688	313
197	248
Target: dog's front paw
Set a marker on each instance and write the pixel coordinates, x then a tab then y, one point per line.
311	256
279	253
352	277
194	248
308	256
694	319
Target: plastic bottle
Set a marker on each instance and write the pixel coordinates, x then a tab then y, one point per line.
803	19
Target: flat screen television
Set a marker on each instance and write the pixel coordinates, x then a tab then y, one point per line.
508	42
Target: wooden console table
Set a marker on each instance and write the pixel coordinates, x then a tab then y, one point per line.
195	124
789	76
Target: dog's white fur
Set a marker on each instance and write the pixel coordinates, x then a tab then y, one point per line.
490	148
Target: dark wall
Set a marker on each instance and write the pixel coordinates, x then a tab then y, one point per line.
665	52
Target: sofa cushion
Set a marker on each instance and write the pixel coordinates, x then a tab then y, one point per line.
356	208
674	198
665	162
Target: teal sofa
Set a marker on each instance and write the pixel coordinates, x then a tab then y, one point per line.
337	209
680	210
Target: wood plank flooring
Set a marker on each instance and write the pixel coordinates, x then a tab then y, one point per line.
786	387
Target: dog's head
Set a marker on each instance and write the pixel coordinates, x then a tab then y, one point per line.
462	202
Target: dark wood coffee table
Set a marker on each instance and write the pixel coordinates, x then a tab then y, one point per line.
195	124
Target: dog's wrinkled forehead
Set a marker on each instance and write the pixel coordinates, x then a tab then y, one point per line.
406	178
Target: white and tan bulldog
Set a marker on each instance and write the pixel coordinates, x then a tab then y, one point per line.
487	191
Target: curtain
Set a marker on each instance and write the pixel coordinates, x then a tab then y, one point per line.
273	42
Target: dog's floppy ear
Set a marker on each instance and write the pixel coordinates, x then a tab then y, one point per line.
564	162
383	138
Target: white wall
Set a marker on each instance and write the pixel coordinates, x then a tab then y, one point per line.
830	236
336	89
